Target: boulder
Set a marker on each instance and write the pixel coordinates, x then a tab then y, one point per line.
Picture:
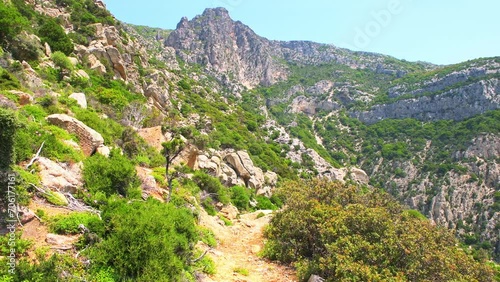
57	177
271	178
24	98
80	98
188	156
111	35
211	166
104	150
265	191
229	177
230	212
241	163
61	242
117	61
26	215
90	139
359	175
73	60
148	182
96	65
315	278
153	136
31	78
82	74
48	51
159	95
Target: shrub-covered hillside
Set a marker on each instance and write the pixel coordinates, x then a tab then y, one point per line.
130	155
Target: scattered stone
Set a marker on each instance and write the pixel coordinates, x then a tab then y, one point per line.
315	278
90	139
230	212
61	242
27	215
24	98
55	177
104	150
80	98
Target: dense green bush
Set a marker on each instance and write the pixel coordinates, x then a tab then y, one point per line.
8	81
343	233
69	224
61	60
8	125
52	33
211	185
240	197
32	134
11	23
112	175
146	241
264	203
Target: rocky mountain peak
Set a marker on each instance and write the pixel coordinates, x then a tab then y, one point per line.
228	49
214	13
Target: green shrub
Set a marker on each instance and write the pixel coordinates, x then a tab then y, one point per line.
61	60
68	224
112	97
242	271
11	23
8	125
240	197
8	81
207	236
145	241
55	198
226	221
21	247
110	130
343	233
206	265
264	203
31	135
115	174
208	205
52	33
211	185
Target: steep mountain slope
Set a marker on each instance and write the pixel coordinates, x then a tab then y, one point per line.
86	103
319	92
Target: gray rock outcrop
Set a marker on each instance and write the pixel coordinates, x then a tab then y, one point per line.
89	139
61	177
456	104
228	49
80	98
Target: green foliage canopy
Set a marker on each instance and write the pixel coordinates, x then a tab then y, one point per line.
344	234
146	241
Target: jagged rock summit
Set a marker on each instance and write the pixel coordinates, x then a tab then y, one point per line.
229	49
236	55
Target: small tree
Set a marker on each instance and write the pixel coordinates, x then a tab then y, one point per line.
134	114
171	150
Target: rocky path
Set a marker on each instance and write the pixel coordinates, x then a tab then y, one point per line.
238	249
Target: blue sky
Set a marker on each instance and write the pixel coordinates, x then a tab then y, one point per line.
438	31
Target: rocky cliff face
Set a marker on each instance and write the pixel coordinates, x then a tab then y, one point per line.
456	200
456	104
228	49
